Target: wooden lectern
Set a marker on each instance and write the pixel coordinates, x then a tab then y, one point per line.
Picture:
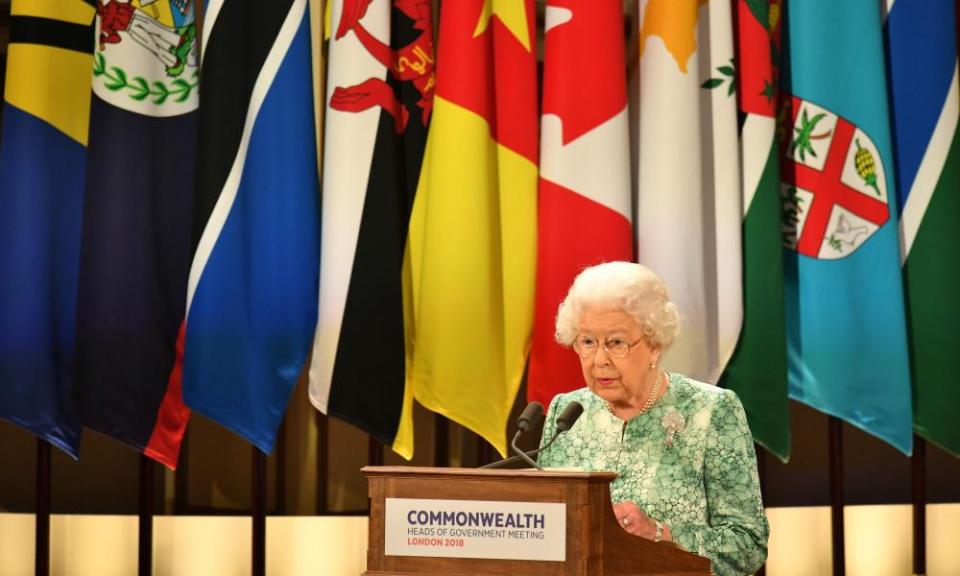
595	543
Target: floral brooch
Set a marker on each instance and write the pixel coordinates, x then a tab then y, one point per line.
674	423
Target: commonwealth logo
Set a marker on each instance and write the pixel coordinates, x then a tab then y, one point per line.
834	186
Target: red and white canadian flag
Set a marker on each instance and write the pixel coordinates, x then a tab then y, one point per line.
584	209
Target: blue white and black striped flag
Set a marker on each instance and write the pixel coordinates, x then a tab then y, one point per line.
251	304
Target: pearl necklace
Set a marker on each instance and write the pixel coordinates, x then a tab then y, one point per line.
651	399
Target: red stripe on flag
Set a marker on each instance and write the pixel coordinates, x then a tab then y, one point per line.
757	86
574	232
173	415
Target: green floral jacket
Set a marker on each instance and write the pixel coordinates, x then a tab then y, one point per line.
689	462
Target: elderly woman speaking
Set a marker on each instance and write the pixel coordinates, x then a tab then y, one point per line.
682	449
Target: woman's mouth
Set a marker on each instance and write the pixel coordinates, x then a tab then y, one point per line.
605	381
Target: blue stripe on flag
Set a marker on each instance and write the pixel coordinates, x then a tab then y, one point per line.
251	321
924	60
41	210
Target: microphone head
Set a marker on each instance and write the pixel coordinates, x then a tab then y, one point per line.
569	416
530	416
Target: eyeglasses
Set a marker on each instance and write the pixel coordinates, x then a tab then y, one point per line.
586	346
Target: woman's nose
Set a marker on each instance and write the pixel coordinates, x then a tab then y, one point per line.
600	356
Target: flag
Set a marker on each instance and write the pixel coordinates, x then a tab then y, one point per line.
135	248
846	328
252	289
757	372
472	237
922	44
42	166
686	167
380	94
584	208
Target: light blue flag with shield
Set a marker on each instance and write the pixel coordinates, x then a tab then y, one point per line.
847	340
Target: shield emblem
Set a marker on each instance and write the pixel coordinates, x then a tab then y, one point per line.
146	60
834	185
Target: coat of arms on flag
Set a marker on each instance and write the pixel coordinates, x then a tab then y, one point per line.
146	57
834	184
414	63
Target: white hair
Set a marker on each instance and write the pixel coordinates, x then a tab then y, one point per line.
632	288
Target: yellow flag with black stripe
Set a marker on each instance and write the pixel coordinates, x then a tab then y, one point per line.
42	171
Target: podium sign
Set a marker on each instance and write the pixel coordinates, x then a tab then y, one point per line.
475	529
480	522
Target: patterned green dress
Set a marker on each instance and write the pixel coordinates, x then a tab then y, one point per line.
688	461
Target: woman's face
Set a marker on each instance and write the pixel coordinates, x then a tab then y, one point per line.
619	381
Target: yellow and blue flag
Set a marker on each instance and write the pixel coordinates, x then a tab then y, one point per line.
42	171
846	327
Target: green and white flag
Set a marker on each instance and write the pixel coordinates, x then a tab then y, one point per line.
925	100
758	369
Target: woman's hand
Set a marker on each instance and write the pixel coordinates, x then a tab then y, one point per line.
632	519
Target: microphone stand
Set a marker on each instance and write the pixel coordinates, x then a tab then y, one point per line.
524	456
521	454
565	421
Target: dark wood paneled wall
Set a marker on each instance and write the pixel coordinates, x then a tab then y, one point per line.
105	480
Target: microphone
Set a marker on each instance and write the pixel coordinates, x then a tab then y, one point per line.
565	421
529	418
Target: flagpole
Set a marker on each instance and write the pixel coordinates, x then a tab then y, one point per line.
145	534
259	512
181	479
836	493
374	457
484	451
918	479
280	502
323	462
441	441
374	452
42	496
